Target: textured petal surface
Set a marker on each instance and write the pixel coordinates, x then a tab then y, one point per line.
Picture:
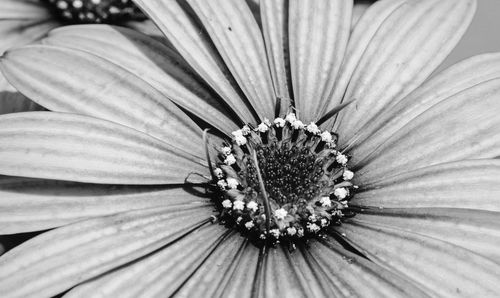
152	61
59	259
162	273
472	184
23	9
394	48
73	81
34	204
465	126
449	83
275	30
238	39
196	48
475	230
438	267
319	30
353	276
79	148
15	33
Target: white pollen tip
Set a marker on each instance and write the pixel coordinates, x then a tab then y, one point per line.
291	118
340	193
227	204
348	175
232	183
313	128
249	225
252	205
280	213
280	122
230	160
262	127
238	205
325	202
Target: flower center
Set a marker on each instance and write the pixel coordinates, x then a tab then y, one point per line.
282	182
96	11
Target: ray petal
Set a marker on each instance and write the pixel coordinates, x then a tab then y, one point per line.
12	101
464	126
23	9
318	33
394	48
62	258
449	83
159	274
34	204
78	148
17	32
471	184
196	48
437	266
74	81
475	230
152	61
238	38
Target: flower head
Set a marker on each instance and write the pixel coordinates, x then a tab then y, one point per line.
120	174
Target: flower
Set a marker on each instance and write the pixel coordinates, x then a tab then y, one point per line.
422	212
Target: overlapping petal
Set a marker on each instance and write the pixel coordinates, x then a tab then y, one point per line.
57	260
35	204
12	101
79	148
154	62
393	49
74	81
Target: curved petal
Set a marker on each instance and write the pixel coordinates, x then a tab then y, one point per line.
161	273
59	259
319	30
465	126
14	33
79	148
449	83
471	184
275	31
152	61
33	204
394	48
12	101
238	39
439	267
196	48
73	81
475	230
354	276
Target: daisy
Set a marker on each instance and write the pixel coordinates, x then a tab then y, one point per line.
139	200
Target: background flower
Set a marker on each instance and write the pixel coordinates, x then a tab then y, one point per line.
118	120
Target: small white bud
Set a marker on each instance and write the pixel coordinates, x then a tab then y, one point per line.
226	150
313	227
232	183
348	175
249	224
326	137
340	193
227	204
280	213
341	159
245	130
230	160
291	118
298	124
222	184
313	128
291	231
218	173
262	127
252	205
280	122
275	233
238	205
325	201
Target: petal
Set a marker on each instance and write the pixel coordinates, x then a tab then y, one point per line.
86	84
33	204
438	267
449	83
12	101
23	9
475	230
465	126
14	33
275	30
161	273
394	48
238	39
354	276
319	30
196	48
79	148
471	184
59	259
152	61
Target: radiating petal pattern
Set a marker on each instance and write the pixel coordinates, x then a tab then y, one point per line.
472	184
238	39
394	48
34	204
57	260
475	230
153	61
438	267
83	149
319	30
73	81
196	48
464	126
161	273
449	83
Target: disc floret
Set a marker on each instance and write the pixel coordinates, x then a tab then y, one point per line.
305	179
